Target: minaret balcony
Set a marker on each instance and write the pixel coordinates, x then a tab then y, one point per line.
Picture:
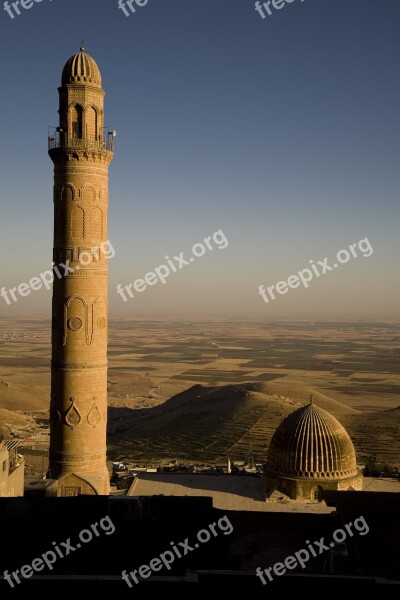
61	140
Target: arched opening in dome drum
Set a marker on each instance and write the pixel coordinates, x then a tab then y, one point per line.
76	121
316	494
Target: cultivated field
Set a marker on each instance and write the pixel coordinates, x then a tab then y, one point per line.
202	390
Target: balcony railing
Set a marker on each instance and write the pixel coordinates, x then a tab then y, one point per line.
62	140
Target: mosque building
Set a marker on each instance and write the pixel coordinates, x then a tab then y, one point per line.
310	452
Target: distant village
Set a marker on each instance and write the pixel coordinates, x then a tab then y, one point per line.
124	472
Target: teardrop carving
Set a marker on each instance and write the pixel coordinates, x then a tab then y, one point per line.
94	416
72	416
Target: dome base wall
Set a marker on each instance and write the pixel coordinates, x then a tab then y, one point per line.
308	490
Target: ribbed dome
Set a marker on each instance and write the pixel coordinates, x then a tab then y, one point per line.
310	443
81	68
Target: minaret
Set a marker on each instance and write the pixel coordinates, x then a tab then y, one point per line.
81	152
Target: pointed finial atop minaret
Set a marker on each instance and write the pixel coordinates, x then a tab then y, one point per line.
82	46
311	398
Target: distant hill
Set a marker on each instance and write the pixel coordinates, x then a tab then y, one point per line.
209	423
17	396
376	434
20	405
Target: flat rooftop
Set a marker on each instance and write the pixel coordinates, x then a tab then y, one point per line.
229	492
236	492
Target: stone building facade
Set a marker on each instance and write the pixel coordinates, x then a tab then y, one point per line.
12	468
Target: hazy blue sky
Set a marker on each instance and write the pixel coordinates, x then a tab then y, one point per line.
282	132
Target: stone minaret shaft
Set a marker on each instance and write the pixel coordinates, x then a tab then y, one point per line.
81	153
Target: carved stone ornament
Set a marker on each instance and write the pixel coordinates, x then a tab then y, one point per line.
72	416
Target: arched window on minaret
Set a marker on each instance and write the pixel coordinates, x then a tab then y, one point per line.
68	193
77	223
94	225
92	123
76	121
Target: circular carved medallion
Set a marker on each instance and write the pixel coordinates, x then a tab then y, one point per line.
75	323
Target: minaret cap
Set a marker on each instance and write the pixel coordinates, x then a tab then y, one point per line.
81	69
